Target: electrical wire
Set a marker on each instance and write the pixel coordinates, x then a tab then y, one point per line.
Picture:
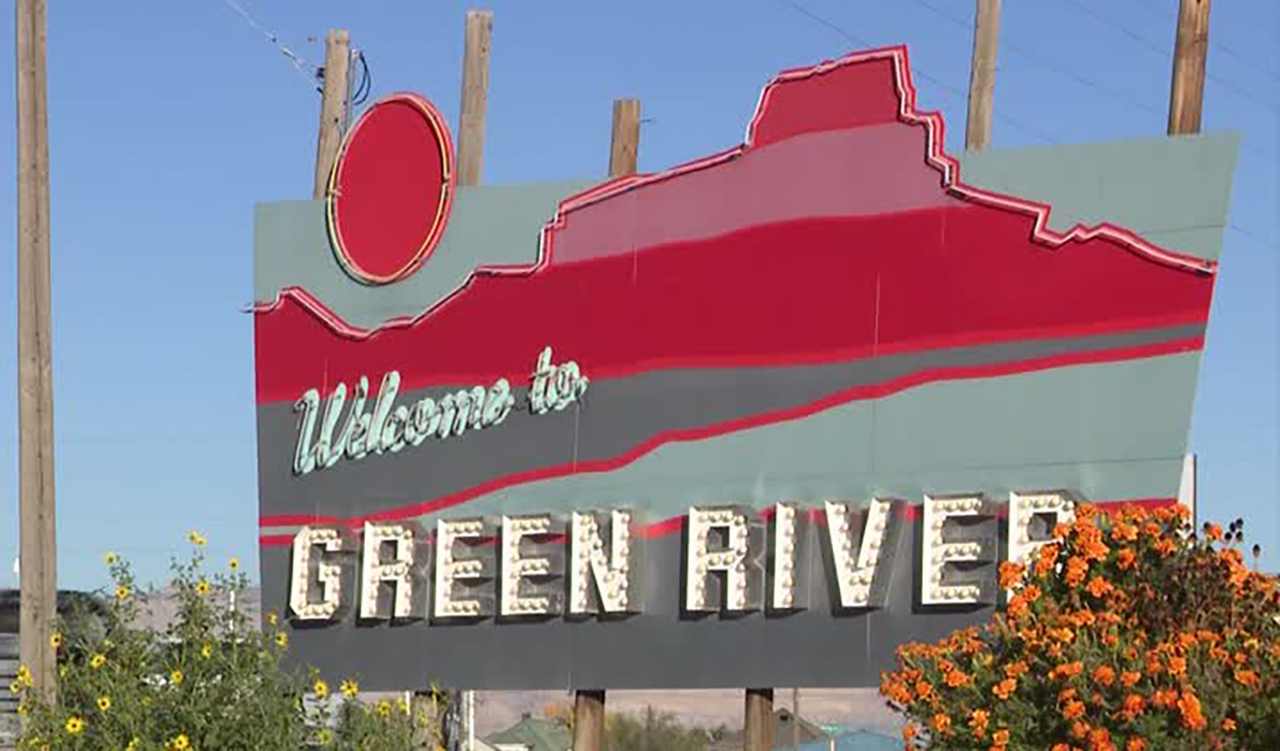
916	70
365	86
308	71
1221	47
1036	59
1163	52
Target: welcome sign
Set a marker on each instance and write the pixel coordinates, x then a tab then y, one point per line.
754	420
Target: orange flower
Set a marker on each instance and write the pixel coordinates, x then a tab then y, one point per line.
1246	678
1177	666
1125	559
978	721
1136	744
1000	737
956	679
1046	560
1123	532
1011	573
1004	689
1189	706
942	724
1060	747
909	733
1130	677
924	690
1069	670
1064	635
1018	608
1077	569
1031	593
1099	587
1213	532
1100	740
1132	706
1166	547
1104	675
1016	669
1228	725
1073	709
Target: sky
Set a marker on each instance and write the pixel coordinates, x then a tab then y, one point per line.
170	120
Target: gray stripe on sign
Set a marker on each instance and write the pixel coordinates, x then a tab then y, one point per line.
619	415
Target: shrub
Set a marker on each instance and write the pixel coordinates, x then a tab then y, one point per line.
210	681
1127	633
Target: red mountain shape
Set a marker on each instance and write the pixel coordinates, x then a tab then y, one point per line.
838	230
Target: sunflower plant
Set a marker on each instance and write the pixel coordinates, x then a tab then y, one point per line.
1127	633
210	680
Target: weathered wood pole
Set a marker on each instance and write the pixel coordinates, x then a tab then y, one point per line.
333	107
38	557
1190	53
475	96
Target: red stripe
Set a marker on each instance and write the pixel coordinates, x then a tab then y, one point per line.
903	289
872	391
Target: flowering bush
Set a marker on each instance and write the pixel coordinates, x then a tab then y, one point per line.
1127	633
209	681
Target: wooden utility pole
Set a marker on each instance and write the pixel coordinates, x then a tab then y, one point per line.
624	148
475	96
38	572
982	75
333	106
758	726
1191	49
588	720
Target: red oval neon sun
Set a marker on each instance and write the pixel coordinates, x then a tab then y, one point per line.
391	189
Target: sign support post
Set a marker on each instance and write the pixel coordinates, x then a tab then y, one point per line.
982	75
38	552
475	96
333	107
1186	94
758	726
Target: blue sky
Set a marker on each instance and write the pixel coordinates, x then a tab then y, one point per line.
169	120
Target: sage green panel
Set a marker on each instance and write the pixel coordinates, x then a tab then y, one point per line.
1173	191
1066	414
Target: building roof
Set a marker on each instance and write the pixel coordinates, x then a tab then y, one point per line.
535	734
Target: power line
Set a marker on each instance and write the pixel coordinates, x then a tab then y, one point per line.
1159	49
916	70
1221	47
308	71
1257	237
1037	59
